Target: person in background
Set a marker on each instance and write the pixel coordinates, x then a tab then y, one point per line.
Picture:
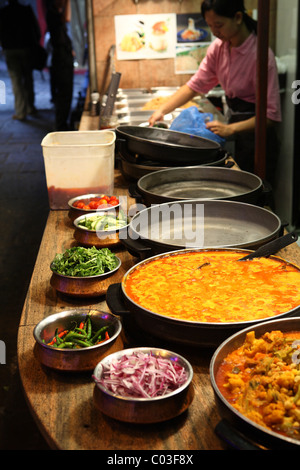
231	63
62	63
19	31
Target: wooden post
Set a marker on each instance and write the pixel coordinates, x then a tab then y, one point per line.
93	85
262	87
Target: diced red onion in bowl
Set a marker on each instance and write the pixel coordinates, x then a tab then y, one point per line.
142	375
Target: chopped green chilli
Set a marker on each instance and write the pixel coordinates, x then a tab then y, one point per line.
81	262
79	336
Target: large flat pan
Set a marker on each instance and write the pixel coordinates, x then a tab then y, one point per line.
191	333
247	430
198	182
200	224
165	145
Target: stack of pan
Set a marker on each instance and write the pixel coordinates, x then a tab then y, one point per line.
142	150
232	204
230	199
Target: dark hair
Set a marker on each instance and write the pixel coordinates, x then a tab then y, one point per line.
229	8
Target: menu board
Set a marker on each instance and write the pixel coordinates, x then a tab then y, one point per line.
193	39
183	37
145	36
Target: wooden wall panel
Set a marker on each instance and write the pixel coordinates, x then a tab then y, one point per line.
144	73
135	73
252	4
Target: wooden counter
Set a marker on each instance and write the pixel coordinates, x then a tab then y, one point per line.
62	403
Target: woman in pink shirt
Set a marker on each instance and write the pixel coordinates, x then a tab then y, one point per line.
231	62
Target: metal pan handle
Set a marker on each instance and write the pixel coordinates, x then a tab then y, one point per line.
134	193
122	148
234	438
136	248
114	300
272	247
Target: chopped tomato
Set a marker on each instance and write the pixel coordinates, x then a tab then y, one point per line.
97	202
79	204
102	202
93	204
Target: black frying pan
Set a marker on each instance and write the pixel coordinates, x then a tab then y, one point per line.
179	225
164	145
199	182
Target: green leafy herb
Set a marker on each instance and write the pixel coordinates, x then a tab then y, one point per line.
82	262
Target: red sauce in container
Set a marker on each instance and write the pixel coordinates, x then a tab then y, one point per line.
59	197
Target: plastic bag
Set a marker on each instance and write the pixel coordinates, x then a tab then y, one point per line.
192	121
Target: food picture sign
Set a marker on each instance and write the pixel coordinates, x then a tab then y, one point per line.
183	37
145	36
192	41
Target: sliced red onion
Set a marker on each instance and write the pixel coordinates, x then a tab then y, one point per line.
142	375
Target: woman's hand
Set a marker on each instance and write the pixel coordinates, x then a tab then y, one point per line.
156	116
228	130
179	98
223	130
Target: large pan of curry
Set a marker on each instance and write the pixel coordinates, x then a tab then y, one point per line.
255	375
201	297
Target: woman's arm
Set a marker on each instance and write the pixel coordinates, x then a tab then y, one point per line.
228	130
179	98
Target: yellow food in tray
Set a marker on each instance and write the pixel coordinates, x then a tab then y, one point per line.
132	42
213	286
261	379
156	103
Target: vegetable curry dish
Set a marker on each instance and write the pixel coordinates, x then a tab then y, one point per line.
213	286
261	379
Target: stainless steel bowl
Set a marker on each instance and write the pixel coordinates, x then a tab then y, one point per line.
144	410
97	238
240	426
75	360
75	212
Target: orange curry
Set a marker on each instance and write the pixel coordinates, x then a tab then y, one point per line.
213	286
261	379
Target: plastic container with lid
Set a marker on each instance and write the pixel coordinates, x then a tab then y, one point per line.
78	162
